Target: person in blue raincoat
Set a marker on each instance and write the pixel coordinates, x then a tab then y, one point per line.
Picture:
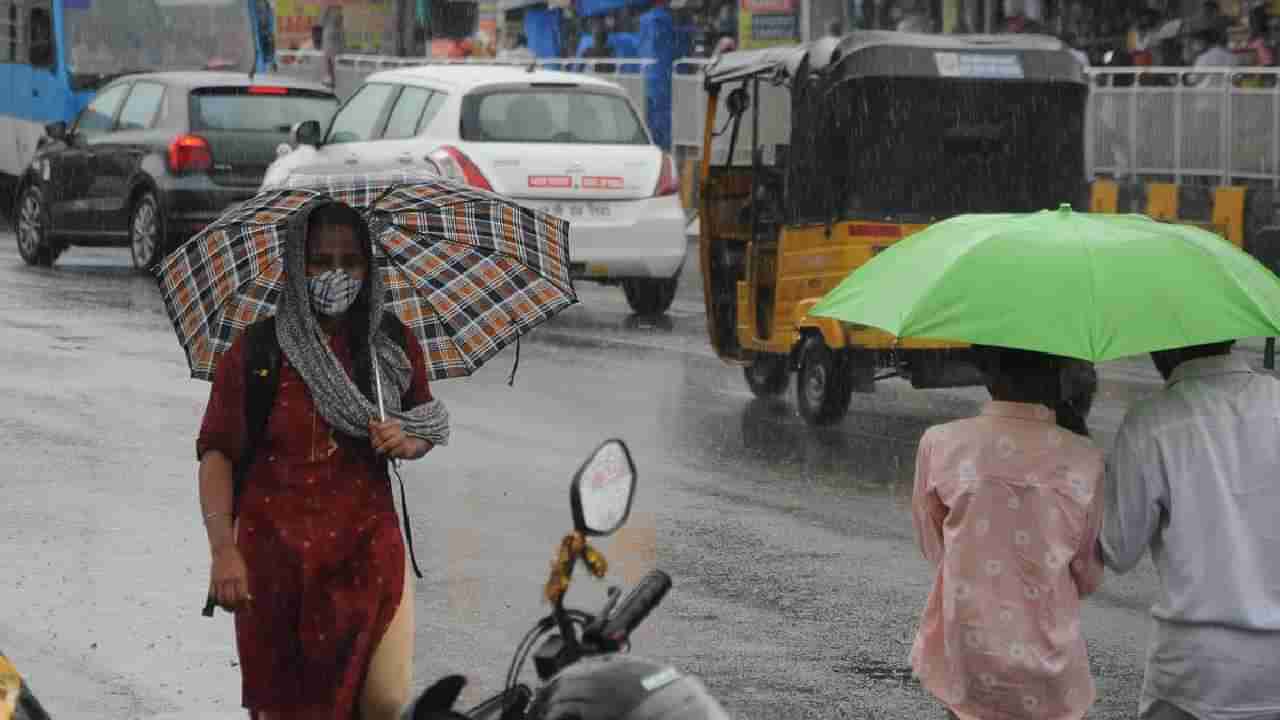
658	41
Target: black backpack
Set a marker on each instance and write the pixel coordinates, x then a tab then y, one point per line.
262	379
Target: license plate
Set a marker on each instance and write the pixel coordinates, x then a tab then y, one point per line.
577	210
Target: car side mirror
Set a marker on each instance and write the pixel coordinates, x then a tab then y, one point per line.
57	131
305	133
602	490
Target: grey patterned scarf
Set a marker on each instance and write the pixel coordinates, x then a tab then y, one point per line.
337	398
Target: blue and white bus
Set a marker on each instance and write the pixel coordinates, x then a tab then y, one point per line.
55	53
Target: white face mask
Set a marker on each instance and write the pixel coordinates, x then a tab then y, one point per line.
333	292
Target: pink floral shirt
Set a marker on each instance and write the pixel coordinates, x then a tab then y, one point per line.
1007	505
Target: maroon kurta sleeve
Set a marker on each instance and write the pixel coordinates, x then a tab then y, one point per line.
223	426
419	392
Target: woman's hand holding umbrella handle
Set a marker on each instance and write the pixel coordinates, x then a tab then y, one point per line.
389	439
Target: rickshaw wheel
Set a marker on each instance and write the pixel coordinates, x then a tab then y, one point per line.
767	375
824	385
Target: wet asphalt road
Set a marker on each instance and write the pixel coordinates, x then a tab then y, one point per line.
797	583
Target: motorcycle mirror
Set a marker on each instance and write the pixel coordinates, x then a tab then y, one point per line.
602	490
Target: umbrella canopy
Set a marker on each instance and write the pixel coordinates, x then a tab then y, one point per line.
1089	286
467	271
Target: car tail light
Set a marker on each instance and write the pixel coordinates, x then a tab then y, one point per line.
454	164
190	153
668	182
267	90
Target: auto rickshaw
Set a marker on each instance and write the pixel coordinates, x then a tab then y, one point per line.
816	157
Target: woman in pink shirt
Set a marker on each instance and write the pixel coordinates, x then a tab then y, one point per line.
1007	506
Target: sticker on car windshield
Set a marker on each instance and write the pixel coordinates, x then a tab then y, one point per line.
978	65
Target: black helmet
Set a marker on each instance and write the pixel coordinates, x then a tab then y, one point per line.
623	687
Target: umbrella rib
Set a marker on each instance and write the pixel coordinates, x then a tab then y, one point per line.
1093	292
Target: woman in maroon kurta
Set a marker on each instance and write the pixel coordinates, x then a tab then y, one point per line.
322	554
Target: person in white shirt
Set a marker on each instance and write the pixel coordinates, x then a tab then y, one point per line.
1207	48
1195	476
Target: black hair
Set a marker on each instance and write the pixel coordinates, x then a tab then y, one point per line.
1258	21
1078	385
338	214
1064	385
1213	35
1166	361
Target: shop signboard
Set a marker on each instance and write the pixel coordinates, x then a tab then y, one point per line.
768	23
367	24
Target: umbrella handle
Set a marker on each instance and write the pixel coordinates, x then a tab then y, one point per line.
377	378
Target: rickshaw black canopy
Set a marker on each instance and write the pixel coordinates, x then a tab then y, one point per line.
883	53
914	128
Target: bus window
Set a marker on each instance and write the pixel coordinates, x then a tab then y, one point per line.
12	34
41	38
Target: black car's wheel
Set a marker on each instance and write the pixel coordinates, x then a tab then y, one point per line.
146	235
767	375
650	296
33	229
824	385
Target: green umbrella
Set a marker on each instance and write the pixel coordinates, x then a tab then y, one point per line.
1089	286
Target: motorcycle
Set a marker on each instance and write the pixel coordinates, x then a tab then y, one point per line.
580	663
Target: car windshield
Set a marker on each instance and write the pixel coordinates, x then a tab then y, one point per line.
551	115
106	38
258	109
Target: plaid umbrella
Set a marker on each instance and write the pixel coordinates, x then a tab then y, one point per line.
467	271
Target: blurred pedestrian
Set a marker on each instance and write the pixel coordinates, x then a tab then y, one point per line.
1259	41
1193	477
725	44
333	41
1007	506
306	548
515	47
1207	48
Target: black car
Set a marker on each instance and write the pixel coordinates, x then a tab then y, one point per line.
156	157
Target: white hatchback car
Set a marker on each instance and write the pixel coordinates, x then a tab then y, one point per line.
570	144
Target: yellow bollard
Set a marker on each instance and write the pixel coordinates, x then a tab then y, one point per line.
1162	201
1104	196
1228	213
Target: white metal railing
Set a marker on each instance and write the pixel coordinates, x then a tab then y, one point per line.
1222	125
307	64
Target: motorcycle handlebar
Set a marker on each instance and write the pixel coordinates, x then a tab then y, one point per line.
642	599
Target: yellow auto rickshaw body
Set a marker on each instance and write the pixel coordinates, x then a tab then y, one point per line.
815	158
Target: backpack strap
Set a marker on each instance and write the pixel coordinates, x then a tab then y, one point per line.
261	378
